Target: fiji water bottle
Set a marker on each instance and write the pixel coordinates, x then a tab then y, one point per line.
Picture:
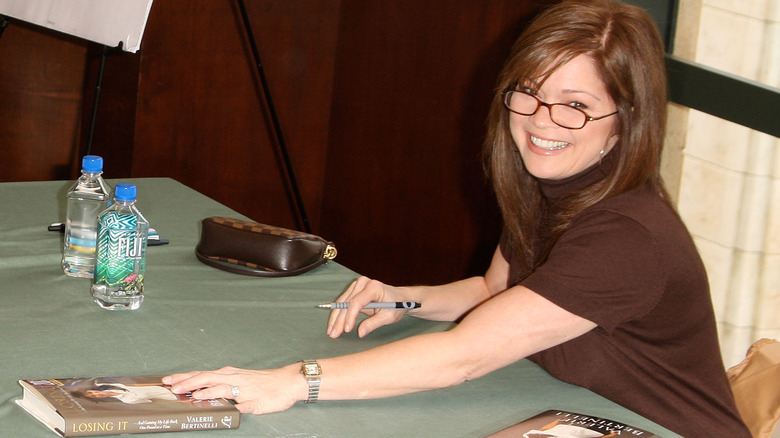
88	197
118	283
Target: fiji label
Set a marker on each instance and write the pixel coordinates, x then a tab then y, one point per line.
121	251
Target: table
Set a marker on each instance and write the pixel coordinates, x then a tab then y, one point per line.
198	317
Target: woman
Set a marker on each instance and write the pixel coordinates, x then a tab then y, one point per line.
595	278
128	394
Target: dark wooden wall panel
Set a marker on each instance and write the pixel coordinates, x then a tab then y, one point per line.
407	200
201	115
41	83
382	105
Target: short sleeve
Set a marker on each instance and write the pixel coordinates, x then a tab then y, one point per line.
604	268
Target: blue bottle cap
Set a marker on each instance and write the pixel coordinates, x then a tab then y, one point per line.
92	163
125	192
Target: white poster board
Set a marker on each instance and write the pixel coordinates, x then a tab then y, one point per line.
107	22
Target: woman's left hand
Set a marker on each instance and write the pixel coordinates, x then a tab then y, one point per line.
361	292
256	391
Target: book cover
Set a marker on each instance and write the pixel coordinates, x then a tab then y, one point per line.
564	424
119	405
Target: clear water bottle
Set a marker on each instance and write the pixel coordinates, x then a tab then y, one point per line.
89	196
118	283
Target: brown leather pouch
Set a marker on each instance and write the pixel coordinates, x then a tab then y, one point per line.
250	248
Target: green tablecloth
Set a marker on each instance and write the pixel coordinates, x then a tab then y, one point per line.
198	317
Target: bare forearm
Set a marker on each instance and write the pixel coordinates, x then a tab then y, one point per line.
452	301
410	365
448	302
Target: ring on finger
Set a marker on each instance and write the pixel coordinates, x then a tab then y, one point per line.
234	391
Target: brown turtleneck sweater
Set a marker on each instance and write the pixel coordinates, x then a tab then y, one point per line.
629	265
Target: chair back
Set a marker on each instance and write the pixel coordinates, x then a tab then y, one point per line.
755	383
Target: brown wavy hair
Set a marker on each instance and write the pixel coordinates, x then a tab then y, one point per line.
628	52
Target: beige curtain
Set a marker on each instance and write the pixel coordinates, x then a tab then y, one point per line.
728	182
730	200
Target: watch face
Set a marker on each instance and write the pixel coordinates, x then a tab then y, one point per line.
311	369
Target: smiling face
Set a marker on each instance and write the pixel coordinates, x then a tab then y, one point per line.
552	152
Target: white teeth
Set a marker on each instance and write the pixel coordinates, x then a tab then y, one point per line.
548	144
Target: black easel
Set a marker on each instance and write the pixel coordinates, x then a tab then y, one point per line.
274	118
3	24
106	51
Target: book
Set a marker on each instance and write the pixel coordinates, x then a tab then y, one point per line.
119	405
565	424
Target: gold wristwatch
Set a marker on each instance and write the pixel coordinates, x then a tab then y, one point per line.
312	372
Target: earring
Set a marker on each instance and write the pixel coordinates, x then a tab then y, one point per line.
601	154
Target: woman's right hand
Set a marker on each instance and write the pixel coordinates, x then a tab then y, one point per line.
361	292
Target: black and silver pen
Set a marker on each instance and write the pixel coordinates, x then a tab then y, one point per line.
404	305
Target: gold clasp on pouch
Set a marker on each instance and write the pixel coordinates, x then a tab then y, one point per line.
330	252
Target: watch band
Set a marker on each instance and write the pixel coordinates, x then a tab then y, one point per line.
312	372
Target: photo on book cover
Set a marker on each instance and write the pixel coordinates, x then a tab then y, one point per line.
103	393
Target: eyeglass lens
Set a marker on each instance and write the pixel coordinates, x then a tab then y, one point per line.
560	113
